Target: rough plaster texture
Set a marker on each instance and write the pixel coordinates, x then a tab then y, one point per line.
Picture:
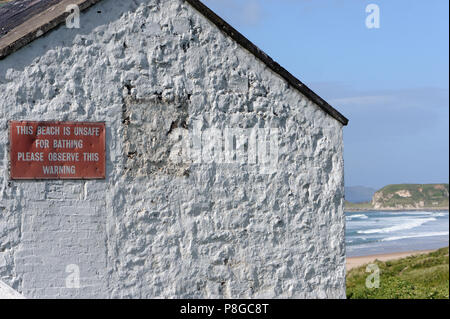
158	226
6	292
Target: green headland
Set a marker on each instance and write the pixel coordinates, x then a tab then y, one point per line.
406	197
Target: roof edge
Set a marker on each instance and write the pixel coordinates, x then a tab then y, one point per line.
39	25
52	17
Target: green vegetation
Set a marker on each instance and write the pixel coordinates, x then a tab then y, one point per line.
358	206
425	195
423	276
406	196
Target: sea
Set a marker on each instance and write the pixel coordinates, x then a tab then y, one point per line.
379	232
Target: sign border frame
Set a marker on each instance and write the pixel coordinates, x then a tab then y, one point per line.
54	178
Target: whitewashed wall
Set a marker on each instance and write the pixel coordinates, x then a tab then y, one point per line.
158	226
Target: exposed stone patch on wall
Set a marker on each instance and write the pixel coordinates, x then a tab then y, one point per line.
153	131
158	226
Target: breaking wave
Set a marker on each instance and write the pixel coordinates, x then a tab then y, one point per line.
410	224
415	236
360	216
421	213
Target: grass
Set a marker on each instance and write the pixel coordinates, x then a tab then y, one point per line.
423	276
357	206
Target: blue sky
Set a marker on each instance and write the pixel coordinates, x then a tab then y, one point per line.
391	82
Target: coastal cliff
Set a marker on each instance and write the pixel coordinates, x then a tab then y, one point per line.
406	197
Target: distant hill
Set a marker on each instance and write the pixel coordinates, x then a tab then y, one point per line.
411	196
359	194
406	197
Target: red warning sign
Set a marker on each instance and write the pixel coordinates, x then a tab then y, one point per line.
57	150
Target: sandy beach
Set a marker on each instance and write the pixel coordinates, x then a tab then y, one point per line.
353	262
